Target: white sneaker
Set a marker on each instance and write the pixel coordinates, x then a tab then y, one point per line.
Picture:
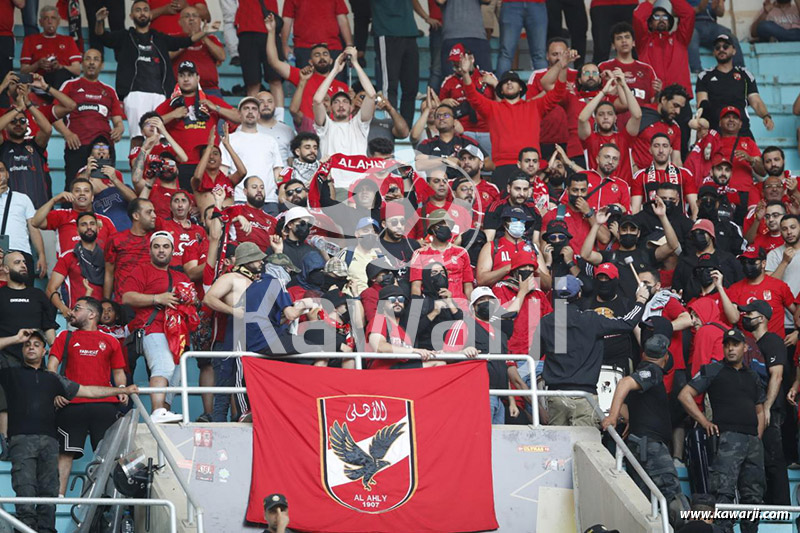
162	416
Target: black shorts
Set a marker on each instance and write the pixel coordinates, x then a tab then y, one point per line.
78	420
203	362
6	361
253	55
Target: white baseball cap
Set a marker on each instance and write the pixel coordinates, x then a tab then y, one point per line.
295	213
480	292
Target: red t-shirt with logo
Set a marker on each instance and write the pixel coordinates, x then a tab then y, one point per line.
623	140
503	250
91	356
640	148
126	251
315	21
262	225
203	60
69	267
306	105
161	197
454	258
190	132
63	221
644	182
208	184
639	76
185	238
768	242
773	291
147	279
608	191
39	45
97	103
742	176
170	24
250	17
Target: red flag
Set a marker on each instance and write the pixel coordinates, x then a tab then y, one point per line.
373	450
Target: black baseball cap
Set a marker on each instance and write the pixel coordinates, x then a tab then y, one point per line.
656	346
759	306
629	220
558	226
733	335
510	211
187	66
390	290
376	266
274	500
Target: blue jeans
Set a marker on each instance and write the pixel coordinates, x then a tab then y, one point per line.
30	17
498	410
768	29
513	17
705	31
435	46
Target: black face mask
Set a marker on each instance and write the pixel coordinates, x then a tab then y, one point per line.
556	180
573	198
442	233
703	275
524	274
368	241
483	310
386	280
439	281
671	207
700	240
749	323
707	208
607	288
334	280
301	230
317	278
557	248
751	270
628	240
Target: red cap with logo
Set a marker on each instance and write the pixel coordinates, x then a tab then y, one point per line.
523	258
730	109
705	225
718	159
752	252
456	52
608	269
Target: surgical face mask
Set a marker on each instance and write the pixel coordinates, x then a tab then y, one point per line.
516	228
483	310
628	240
442	233
607	288
301	230
368	241
751	270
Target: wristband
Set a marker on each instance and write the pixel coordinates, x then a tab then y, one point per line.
28	105
767	116
47	89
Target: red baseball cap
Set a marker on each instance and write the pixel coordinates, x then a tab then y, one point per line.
456	52
705	225
608	269
520	259
730	109
334	91
718	159
752	252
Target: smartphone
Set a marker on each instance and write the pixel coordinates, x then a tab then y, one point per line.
25	78
97	173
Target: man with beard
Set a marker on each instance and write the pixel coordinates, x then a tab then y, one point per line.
393	239
605	127
24	158
576	212
258	151
128	249
769	216
661	169
271	124
639	76
513	123
714	207
587	85
305	155
441	198
297	224
470	160
671	101
518	194
150	290
190	114
161	177
97	103
291	192
746	155
63	221
340	133
144	77
87	357
630	246
703	242
737	201
321	60
444	147
528	163
728	85
83	268
780	261
605	188
249	221
206	54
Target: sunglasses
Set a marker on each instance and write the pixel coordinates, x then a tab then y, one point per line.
660	17
722	46
556	237
396	299
393	189
20	120
592	74
294	192
397	222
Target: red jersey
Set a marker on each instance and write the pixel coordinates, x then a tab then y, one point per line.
91	356
208	184
147	279
526	323
63	222
577	225
158	149
671	310
161	197
97	103
623	140
394	335
69	267
742	176
126	251
306	105
191	132
170	24
250	17
452	88
456	261
640	148
488	192
768	242
645	181
185	238
503	249
639	76
773	291
7	18
39	45
315	21
203	60
262	225
535	81
607	191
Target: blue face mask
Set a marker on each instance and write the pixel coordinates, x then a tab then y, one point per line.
516	228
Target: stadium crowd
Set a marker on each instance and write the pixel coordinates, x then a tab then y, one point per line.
666	236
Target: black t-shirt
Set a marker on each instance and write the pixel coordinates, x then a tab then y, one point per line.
495	221
774	353
436	147
30	393
734	395
643	257
648	409
25	308
724	89
149	66
617	347
401	251
649	222
26	164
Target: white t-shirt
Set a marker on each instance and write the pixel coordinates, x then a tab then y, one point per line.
348	138
20	210
260	154
791	276
283	134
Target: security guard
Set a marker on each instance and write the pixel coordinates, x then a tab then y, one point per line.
737	400
642	398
